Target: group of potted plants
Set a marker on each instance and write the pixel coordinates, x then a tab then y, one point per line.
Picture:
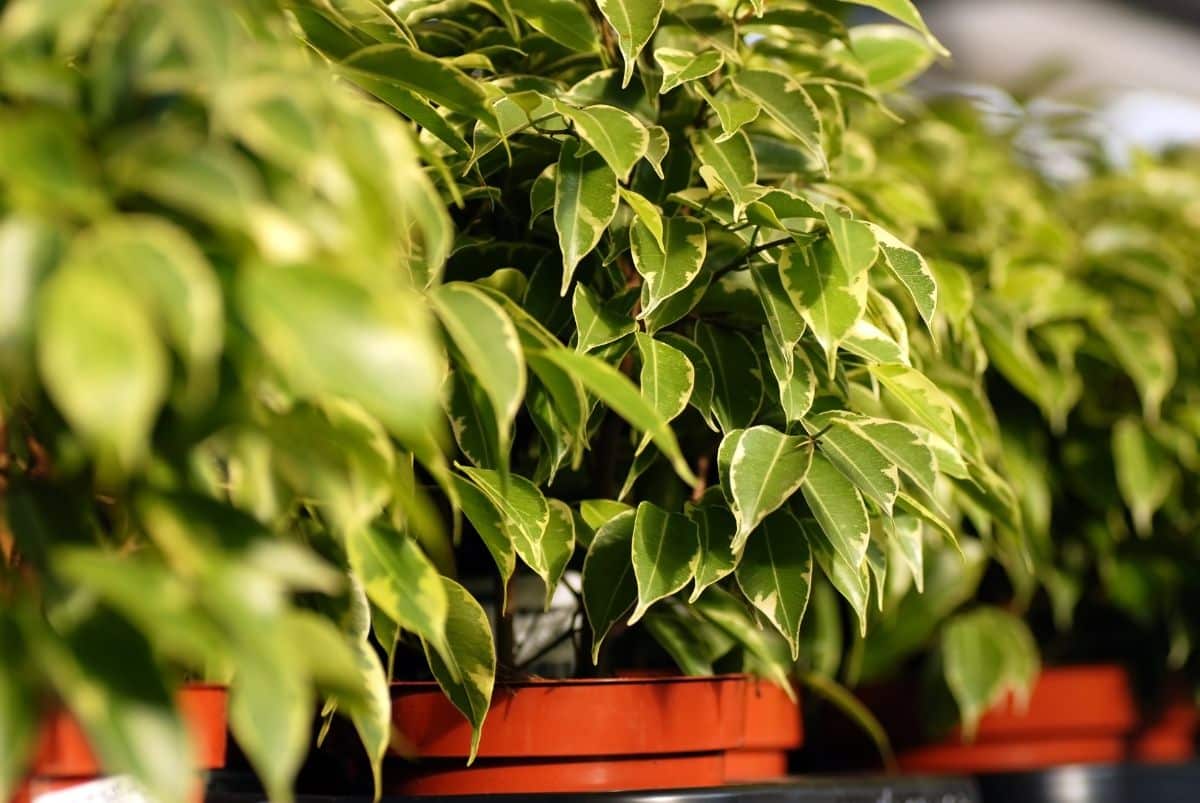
359	357
1082	295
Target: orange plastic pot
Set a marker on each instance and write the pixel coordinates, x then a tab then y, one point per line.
1168	736
63	757
1076	715
571	736
774	727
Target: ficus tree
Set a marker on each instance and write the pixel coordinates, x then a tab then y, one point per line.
210	255
1077	324
681	342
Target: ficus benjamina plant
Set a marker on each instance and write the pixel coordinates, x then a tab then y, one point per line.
684	353
1081	311
211	261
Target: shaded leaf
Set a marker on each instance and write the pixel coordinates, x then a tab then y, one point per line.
635	22
466	671
665	552
609	586
775	574
765	469
667	272
585	201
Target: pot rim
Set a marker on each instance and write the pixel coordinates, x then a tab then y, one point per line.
623	680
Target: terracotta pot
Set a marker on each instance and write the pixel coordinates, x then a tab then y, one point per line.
1076	715
64	759
1168	736
774	726
571	736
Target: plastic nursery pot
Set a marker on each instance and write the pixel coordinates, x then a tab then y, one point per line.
1168	735
571	736
64	759
774	727
1076	715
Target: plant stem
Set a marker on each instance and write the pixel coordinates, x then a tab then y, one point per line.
743	259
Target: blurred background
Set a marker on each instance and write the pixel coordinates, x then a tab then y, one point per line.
1139	62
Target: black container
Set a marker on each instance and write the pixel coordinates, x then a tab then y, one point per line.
1126	783
801	790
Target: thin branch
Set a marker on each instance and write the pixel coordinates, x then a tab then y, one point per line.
743	260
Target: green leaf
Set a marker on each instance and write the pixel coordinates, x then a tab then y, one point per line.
489	524
635	22
795	376
702	387
401	581
667	377
737	376
656	151
681	66
906	12
615	390
330	337
106	674
487	340
787	325
868	341
174	281
614	133
733	110
564	21
900	444
682	635
1145	474
715	528
786	211
599	324
775	574
912	271
765	469
585	201
371	710
853	240
1143	349
729	165
525	516
466	671
987	653
829	298
647	213
907	534
18	709
412	106
473	423
667	271
598	512
925	402
426	76
558	545
724	610
665	550
856	455
609	586
101	361
849	580
838	508
787	102
892	56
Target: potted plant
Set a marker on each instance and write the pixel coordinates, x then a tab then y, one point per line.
678	366
207	302
1087	416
